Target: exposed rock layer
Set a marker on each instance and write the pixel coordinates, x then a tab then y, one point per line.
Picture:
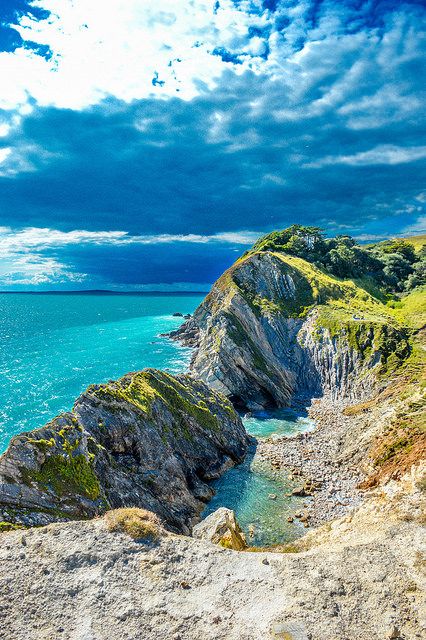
361	579
274	326
149	440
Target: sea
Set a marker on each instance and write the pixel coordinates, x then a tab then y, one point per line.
53	345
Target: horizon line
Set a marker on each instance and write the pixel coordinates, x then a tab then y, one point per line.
108	291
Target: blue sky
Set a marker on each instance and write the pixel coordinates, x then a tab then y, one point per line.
147	144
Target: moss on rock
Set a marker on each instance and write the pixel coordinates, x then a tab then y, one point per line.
67	474
9	526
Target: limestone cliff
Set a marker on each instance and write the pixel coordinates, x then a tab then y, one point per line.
149	440
274	326
362	578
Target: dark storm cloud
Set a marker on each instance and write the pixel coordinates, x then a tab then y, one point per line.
334	140
134	265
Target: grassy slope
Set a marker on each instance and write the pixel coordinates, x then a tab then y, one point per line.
349	307
346	295
337	299
417	241
404	440
351	311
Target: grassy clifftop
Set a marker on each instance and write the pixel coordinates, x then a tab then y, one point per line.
361	312
313	287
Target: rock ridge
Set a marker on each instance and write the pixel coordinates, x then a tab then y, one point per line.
150	440
275	327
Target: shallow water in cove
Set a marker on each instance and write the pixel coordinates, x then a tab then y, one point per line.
53	346
248	488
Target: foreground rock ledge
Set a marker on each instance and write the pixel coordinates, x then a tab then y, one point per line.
360	578
150	440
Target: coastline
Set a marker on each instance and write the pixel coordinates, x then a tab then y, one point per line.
327	472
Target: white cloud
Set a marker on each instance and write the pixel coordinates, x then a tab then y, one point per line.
40	239
416	227
4	153
117	48
382	154
23	261
34	269
373	237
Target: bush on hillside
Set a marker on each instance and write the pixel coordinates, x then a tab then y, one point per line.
137	523
393	264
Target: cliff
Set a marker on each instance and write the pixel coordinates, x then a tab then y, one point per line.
360	578
274	326
149	440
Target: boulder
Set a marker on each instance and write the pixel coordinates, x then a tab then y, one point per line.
221	527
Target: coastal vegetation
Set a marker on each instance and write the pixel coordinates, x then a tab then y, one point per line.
148	440
299	319
395	265
139	524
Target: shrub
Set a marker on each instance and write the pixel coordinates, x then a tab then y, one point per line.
137	523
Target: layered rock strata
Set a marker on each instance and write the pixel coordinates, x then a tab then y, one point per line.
149	440
275	326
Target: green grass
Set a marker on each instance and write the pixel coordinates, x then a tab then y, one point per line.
315	287
355	311
417	241
68	474
141	389
412	308
367	336
9	526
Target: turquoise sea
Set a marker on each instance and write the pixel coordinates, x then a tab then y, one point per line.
258	493
52	346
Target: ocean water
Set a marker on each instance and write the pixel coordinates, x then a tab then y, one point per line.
248	488
53	346
288	422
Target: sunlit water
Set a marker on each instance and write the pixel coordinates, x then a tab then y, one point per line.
257	493
53	346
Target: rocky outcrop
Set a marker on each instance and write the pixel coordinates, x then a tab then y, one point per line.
221	527
149	440
274	326
362	578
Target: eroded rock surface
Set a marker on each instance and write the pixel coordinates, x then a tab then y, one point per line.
149	440
274	326
221	527
361	578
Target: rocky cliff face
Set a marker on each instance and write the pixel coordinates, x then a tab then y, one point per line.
361	578
274	326
149	440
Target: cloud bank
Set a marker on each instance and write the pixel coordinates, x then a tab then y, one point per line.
196	120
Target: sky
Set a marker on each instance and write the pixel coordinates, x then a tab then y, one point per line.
145	145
